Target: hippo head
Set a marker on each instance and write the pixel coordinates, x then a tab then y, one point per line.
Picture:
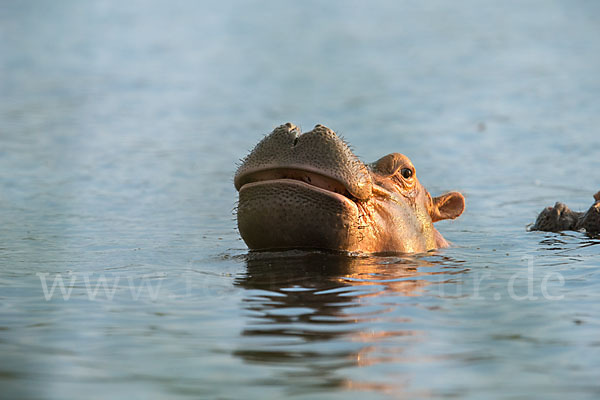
310	191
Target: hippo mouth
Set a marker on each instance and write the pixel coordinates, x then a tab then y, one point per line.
289	208
304	178
318	158
301	190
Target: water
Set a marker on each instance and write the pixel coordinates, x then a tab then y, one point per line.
120	127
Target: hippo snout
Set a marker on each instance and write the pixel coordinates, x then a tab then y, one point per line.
319	153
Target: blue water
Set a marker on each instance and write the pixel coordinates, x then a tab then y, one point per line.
120	127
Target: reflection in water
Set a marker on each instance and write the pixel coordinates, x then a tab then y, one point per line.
120	125
561	242
298	303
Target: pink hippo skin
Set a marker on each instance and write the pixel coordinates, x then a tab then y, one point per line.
562	218
310	191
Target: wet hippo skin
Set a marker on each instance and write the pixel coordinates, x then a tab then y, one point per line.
562	218
310	191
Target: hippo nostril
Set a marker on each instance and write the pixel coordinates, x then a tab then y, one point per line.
320	151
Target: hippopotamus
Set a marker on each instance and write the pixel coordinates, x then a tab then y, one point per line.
562	218
309	190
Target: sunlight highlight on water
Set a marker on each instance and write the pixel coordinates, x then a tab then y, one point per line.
121	271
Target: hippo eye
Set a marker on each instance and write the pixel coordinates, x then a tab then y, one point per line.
407	173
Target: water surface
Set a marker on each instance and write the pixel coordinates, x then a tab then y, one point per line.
120	127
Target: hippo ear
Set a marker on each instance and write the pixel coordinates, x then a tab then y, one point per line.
447	206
